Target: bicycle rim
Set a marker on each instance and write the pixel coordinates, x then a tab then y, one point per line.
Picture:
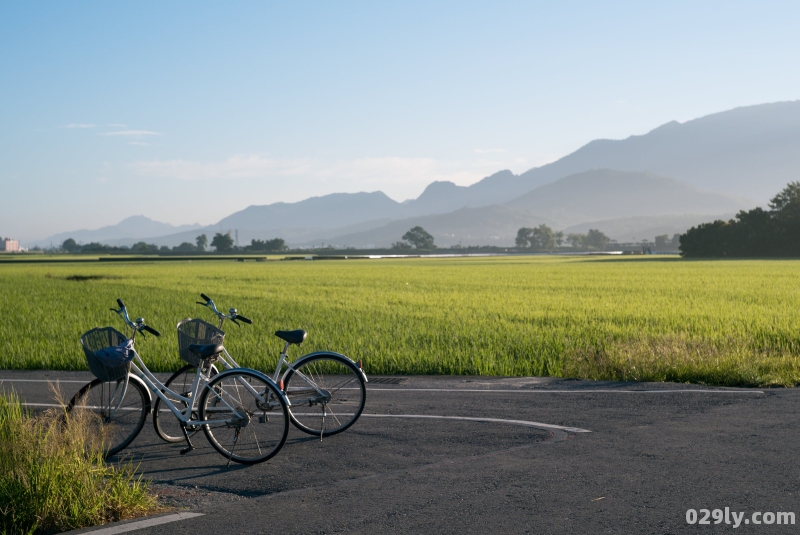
115	424
246	428
327	394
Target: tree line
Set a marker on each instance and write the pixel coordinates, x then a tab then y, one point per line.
755	233
545	239
222	243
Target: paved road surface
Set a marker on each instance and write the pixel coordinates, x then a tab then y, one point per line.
654	451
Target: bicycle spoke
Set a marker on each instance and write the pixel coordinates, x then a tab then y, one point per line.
338	389
237	405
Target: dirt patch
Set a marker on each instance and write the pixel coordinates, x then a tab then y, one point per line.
84	278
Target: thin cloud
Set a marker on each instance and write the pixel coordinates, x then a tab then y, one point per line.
142	143
132	133
379	172
234	167
117	125
489	151
79	125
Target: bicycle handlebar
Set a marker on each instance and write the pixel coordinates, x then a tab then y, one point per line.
138	325
232	315
149	329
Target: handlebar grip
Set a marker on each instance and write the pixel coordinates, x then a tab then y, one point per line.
246	320
120	303
207	298
150	330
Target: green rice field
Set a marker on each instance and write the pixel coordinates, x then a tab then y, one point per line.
636	318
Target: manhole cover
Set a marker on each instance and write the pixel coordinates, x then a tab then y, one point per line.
388	380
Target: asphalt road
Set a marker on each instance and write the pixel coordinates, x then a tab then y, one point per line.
653	452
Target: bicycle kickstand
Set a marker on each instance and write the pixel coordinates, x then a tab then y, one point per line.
235	440
190	446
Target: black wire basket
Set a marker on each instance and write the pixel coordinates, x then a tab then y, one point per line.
196	331
101	338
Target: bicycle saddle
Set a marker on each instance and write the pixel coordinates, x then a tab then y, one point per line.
206	351
293	337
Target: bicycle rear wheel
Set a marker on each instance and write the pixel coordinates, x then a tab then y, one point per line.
249	420
167	426
115	423
327	393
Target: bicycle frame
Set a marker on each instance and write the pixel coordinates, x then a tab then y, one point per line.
139	369
229	363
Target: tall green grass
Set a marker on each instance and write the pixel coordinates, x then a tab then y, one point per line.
53	477
647	318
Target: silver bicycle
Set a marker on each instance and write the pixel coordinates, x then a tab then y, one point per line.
327	391
242	412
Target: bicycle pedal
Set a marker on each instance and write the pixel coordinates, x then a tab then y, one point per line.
186	450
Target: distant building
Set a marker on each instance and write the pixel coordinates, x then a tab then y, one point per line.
7	245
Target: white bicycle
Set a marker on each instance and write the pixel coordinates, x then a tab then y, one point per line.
327	391
242	412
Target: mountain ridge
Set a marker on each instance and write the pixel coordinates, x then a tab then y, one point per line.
750	151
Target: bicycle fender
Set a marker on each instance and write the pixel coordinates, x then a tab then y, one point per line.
260	376
323	353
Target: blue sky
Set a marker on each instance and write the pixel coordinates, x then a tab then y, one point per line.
188	111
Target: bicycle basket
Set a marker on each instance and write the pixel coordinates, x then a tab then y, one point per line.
101	338
196	331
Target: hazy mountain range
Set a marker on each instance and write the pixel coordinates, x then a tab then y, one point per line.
671	178
134	228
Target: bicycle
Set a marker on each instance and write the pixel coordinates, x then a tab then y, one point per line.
327	380
242	412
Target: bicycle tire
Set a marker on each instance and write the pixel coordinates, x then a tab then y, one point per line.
340	378
166	425
117	430
247	429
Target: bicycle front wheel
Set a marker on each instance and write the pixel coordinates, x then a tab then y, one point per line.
247	418
167	426
327	393
113	420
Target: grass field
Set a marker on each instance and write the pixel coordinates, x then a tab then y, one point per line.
646	318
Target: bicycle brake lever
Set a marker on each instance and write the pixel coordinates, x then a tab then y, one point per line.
236	322
199	303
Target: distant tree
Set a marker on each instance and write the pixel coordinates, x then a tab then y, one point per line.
541	238
185	247
144	248
419	238
596	240
665	243
787	202
275	244
576	240
222	242
202	242
70	246
166	249
758	232
544	239
523	239
401	246
94	247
